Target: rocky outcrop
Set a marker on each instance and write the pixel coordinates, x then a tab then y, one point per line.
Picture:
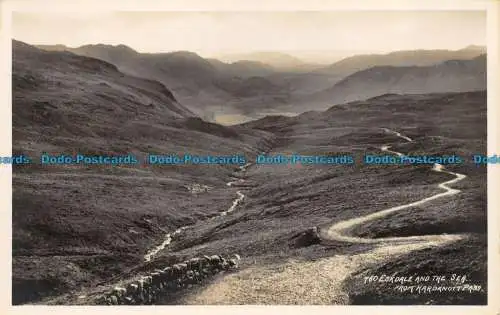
307	238
197	188
149	288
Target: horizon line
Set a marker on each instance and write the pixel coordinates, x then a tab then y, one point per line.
349	53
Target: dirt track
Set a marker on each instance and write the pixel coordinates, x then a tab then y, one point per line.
321	281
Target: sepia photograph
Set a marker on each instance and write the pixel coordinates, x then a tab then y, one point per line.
239	157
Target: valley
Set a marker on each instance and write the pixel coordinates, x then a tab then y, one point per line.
304	233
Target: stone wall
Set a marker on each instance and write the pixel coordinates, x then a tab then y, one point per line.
149	288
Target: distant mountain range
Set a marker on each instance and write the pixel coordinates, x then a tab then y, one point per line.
243	68
256	82
278	60
447	76
356	63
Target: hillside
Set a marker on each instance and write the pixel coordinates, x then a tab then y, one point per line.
448	76
420	58
200	84
77	225
283	264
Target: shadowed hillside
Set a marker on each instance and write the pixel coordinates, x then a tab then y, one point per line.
200	84
75	225
448	76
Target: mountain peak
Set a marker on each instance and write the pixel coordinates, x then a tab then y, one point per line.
273	58
185	54
475	47
120	47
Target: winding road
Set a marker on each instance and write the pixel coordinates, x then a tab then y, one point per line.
338	231
321	281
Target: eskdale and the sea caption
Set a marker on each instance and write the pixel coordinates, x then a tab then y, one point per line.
239	159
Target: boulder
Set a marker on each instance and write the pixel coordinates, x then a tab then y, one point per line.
113	300
233	263
156	278
194	263
309	237
215	259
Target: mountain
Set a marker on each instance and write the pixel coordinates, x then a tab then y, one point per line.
271	81
303	83
101	77
448	76
177	70
76	225
199	84
277	60
356	63
472	48
243	68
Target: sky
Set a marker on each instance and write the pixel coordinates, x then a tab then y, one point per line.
310	33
